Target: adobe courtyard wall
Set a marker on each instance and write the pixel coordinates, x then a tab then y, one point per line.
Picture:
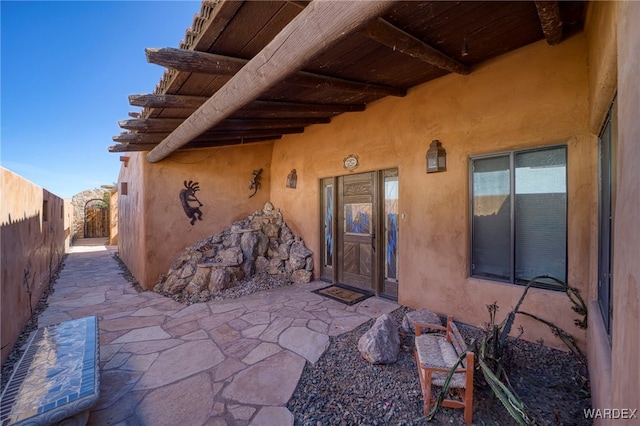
535	96
131	215
32	245
113	218
626	267
153	225
601	31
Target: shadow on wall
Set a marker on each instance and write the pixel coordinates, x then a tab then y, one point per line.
32	249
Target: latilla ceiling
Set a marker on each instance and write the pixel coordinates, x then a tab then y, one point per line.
384	54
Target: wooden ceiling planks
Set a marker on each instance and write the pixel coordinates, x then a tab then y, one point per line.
258	22
318	26
465	32
221	14
277	21
248	18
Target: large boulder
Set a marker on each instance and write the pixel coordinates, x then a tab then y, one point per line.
200	279
381	343
421	316
301	276
231	256
249	245
220	279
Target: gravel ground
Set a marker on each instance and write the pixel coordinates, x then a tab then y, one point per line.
343	389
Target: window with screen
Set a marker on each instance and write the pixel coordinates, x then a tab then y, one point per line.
519	215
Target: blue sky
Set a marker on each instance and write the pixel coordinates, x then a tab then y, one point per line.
67	69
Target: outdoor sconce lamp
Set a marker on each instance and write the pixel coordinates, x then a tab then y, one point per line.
292	179
436	157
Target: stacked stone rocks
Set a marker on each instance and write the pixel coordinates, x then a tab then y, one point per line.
260	246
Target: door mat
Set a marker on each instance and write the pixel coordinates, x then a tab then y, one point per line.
342	294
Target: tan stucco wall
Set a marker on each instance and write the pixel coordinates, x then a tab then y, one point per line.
223	175
131	215
601	28
31	249
626	268
531	97
113	218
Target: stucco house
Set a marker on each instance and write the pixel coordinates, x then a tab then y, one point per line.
443	154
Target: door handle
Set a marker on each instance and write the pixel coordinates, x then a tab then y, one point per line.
373	241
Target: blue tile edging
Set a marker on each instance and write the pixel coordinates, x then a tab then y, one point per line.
57	377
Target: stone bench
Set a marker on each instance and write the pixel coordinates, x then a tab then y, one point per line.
57	378
436	354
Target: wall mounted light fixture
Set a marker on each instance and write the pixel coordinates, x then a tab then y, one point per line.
292	179
436	157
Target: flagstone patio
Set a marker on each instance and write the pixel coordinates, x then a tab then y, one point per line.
215	363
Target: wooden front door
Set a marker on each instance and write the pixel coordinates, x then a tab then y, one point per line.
359	229
357	218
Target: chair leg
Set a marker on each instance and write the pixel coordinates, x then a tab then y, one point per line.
466	396
426	394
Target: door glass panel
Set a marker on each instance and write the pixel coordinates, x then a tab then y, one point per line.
357	218
391	228
328	225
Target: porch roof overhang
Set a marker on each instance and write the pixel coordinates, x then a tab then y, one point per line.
255	71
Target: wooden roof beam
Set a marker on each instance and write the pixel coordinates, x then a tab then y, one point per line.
210	63
312	31
550	20
151	124
167	101
259	105
212	135
156	125
391	36
131	147
194	102
126	137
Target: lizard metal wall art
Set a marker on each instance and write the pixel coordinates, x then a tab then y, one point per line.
254	183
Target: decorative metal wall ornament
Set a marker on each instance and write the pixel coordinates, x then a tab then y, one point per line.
350	162
254	183
188	199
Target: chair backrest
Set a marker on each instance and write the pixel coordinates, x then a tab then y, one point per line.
457	340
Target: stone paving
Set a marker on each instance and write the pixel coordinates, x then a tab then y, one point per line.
234	362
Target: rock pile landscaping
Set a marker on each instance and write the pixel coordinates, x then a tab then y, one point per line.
257	249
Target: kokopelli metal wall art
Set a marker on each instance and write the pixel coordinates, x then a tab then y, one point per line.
188	199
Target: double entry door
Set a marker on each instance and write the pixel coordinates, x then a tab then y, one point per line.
360	231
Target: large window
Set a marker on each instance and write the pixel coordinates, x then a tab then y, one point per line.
519	215
605	227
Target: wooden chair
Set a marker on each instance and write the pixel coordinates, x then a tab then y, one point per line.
435	354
